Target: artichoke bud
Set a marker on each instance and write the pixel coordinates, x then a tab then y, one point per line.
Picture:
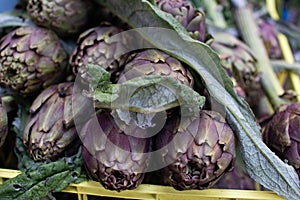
115	159
50	131
146	63
239	62
282	133
192	19
3	124
199	154
31	58
64	17
268	34
95	46
155	62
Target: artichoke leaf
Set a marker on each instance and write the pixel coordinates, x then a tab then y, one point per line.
43	178
164	93
39	179
261	163
96	75
145	96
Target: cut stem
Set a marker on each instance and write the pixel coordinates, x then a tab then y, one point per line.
282	65
214	12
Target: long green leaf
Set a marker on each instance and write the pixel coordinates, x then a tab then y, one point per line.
262	164
42	178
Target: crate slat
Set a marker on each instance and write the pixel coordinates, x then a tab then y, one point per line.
156	192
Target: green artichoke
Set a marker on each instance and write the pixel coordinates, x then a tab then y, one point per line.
50	131
113	158
31	58
3	124
155	62
64	17
94	47
201	154
240	64
189	17
282	133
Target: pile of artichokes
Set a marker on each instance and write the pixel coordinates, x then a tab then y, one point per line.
67	59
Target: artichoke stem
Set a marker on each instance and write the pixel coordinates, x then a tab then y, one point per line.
215	13
280	65
249	31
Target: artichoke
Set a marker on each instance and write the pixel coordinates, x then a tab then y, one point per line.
3	124
50	131
282	133
201	154
64	17
240	64
115	159
155	62
268	33
189	17
236	179
31	58
95	47
145	63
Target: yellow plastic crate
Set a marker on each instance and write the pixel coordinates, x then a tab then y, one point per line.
156	192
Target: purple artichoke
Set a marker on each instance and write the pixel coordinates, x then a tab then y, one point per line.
50	131
31	59
201	154
282	133
268	33
112	157
190	18
94	47
65	17
240	64
156	62
237	178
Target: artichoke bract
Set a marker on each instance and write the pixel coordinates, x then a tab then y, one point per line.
50	131
3	124
282	133
64	17
95	47
31	58
111	157
240	64
156	62
202	153
189	17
